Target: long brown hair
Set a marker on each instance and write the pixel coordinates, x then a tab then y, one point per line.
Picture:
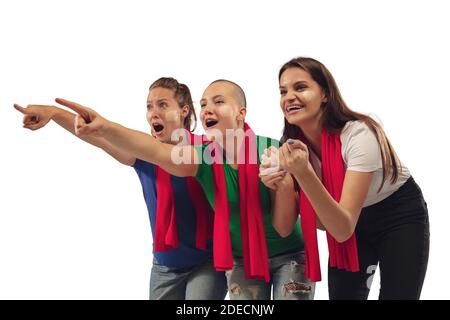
336	113
183	96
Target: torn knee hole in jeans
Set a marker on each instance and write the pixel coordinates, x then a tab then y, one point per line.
235	289
297	288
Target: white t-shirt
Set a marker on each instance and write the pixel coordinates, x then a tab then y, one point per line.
361	153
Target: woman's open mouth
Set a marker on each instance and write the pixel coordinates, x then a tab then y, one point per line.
294	108
210	122
157	128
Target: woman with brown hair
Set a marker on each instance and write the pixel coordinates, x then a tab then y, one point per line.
180	215
352	184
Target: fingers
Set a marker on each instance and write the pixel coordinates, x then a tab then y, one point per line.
269	158
284	156
79	124
273	177
33	126
83	128
265	161
273	180
79	121
87	130
269	171
21	109
34	112
264	158
30	119
280	174
293	149
78	108
30	116
271	151
35	116
292	144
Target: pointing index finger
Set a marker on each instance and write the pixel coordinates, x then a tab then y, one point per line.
21	109
78	108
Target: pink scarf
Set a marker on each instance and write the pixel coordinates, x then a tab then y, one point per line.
166	234
342	255
254	248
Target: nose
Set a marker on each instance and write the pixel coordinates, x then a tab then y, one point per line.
290	96
153	114
206	111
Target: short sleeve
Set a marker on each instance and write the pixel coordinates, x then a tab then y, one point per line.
360	148
138	164
204	174
204	170
201	166
143	166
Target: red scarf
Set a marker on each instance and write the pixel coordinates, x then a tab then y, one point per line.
342	255
254	248
166	234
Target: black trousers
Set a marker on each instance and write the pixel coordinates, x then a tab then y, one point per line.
393	233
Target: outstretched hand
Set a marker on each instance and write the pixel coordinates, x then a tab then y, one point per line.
87	121
35	116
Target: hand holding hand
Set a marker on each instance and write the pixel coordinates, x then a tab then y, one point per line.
269	170
294	157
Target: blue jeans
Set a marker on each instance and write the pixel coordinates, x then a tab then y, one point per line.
287	280
200	282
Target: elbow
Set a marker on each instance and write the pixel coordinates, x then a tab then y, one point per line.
283	230
284	233
345	233
343	228
343	237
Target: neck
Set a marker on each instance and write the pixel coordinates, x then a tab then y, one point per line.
182	135
313	133
232	146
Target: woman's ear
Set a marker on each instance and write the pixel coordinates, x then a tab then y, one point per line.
324	97
242	113
185	111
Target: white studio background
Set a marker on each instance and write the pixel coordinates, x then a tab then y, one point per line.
73	222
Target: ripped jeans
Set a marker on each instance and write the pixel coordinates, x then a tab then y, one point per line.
287	280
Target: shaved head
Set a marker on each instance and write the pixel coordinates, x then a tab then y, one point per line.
237	91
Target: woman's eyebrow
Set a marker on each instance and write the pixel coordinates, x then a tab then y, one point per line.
149	102
296	83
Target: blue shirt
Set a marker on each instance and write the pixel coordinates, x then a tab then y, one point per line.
186	255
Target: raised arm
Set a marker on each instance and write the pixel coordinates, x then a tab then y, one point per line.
37	116
177	160
339	218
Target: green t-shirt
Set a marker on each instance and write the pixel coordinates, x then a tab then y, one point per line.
276	244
